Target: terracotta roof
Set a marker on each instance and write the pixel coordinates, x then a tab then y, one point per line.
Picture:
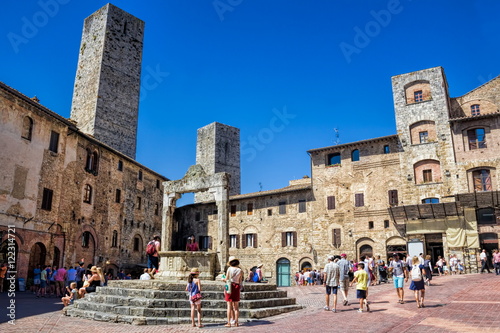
481	116
336	147
291	188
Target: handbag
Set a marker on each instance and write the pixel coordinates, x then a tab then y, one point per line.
196	297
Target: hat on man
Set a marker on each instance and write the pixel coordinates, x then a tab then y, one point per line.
343	255
195	271
232	258
94	269
260	265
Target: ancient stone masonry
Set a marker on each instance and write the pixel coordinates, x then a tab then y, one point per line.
106	92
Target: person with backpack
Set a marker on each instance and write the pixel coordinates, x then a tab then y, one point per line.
417	281
152	250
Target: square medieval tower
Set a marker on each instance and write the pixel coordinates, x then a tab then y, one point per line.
106	92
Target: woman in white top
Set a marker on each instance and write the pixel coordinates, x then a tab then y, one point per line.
234	276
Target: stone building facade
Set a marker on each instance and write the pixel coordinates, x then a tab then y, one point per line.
431	187
70	188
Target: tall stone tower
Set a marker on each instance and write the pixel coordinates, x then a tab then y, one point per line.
218	150
106	93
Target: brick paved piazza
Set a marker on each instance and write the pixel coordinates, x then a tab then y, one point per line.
465	303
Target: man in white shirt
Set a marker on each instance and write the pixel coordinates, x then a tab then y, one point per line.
331	282
145	275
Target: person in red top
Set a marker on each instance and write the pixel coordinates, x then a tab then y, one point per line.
192	245
153	259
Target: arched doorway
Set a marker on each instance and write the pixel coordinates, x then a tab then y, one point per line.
283	272
57	257
306	265
365	250
38	255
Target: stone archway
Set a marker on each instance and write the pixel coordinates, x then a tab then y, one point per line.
175	264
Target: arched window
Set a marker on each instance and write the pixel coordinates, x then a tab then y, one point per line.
87	194
92	162
482	180
427	171
474	110
137	243
422	132
355	155
334	159
27	128
418	91
114	240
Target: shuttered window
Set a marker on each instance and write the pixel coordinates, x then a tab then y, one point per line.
289	238
302	206
336	239
330	202
359	199
393	197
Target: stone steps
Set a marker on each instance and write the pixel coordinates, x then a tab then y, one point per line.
161	302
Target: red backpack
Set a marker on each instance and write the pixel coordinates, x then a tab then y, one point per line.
151	248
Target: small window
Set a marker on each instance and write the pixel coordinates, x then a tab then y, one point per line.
387	149
139	175
118	196
114	240
486	216
359	199
289	238
302	206
386	224
477	138
92	162
430	201
27	128
205	243
47	199
370	225
197	216
157	209
269	212
86	239
482	180
393	197
137	243
234	241
54	141
334	159
474	110
139	202
250	240
282	207
233	210
330	202
336	238
427	175
87	194
120	165
424	136
157	183
250	208
418	96
355	155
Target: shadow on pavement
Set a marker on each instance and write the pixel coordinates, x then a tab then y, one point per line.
26	305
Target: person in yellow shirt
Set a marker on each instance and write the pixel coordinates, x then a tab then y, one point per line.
361	280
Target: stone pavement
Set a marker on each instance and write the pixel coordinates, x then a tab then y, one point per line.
463	303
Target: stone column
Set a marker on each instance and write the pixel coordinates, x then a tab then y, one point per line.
169	200
222	201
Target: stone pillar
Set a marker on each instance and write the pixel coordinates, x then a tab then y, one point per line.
222	201
169	200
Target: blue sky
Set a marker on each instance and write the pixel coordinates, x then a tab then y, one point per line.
287	73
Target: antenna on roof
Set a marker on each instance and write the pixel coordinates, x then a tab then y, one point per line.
337	136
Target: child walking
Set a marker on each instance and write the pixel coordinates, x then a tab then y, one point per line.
194	289
361	280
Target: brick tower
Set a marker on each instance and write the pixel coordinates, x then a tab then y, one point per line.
218	150
106	92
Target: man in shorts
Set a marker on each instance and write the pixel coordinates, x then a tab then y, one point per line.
399	276
345	268
331	282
